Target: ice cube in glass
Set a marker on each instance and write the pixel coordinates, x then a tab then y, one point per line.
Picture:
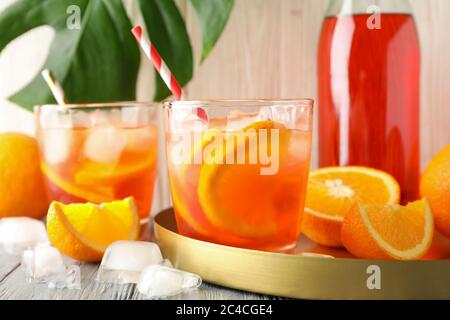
105	144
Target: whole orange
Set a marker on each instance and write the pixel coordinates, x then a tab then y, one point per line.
435	186
21	182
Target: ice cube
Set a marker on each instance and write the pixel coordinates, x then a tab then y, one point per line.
160	281
57	144
186	120
124	261
105	144
133	116
299	147
55	117
141	139
21	233
100	118
81	119
285	114
238	120
44	264
41	261
166	263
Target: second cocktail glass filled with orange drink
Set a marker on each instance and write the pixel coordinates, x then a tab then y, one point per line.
99	152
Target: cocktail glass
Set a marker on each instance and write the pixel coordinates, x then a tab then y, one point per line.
238	170
99	152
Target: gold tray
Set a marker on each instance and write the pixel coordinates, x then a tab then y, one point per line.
304	275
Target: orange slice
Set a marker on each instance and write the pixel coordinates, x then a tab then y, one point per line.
83	231
97	194
183	178
333	191
236	197
98	173
389	231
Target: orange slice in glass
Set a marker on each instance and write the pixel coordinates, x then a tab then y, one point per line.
333	191
389	231
236	197
182	179
97	194
83	231
105	174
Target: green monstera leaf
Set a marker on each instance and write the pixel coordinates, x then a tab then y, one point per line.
99	61
213	16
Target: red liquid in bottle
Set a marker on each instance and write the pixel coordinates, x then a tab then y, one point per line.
369	96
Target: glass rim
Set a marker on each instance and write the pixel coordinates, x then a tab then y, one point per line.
301	102
96	105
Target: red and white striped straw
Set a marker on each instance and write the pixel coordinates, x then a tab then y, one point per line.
154	56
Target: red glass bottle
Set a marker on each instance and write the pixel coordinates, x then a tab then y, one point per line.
368	81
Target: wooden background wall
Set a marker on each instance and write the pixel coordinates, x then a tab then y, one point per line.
269	49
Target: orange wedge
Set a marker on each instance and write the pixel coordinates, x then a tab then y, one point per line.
83	231
236	197
389	231
333	191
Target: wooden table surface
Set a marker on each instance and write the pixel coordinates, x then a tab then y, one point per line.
14	287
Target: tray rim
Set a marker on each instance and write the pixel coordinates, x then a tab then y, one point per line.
165	236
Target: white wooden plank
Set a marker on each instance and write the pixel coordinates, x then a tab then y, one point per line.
7	265
433	25
14	287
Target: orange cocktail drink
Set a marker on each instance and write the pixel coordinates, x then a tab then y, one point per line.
99	152
238	170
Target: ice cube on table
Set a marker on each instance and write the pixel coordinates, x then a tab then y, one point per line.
45	264
105	144
160	281
21	233
124	261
